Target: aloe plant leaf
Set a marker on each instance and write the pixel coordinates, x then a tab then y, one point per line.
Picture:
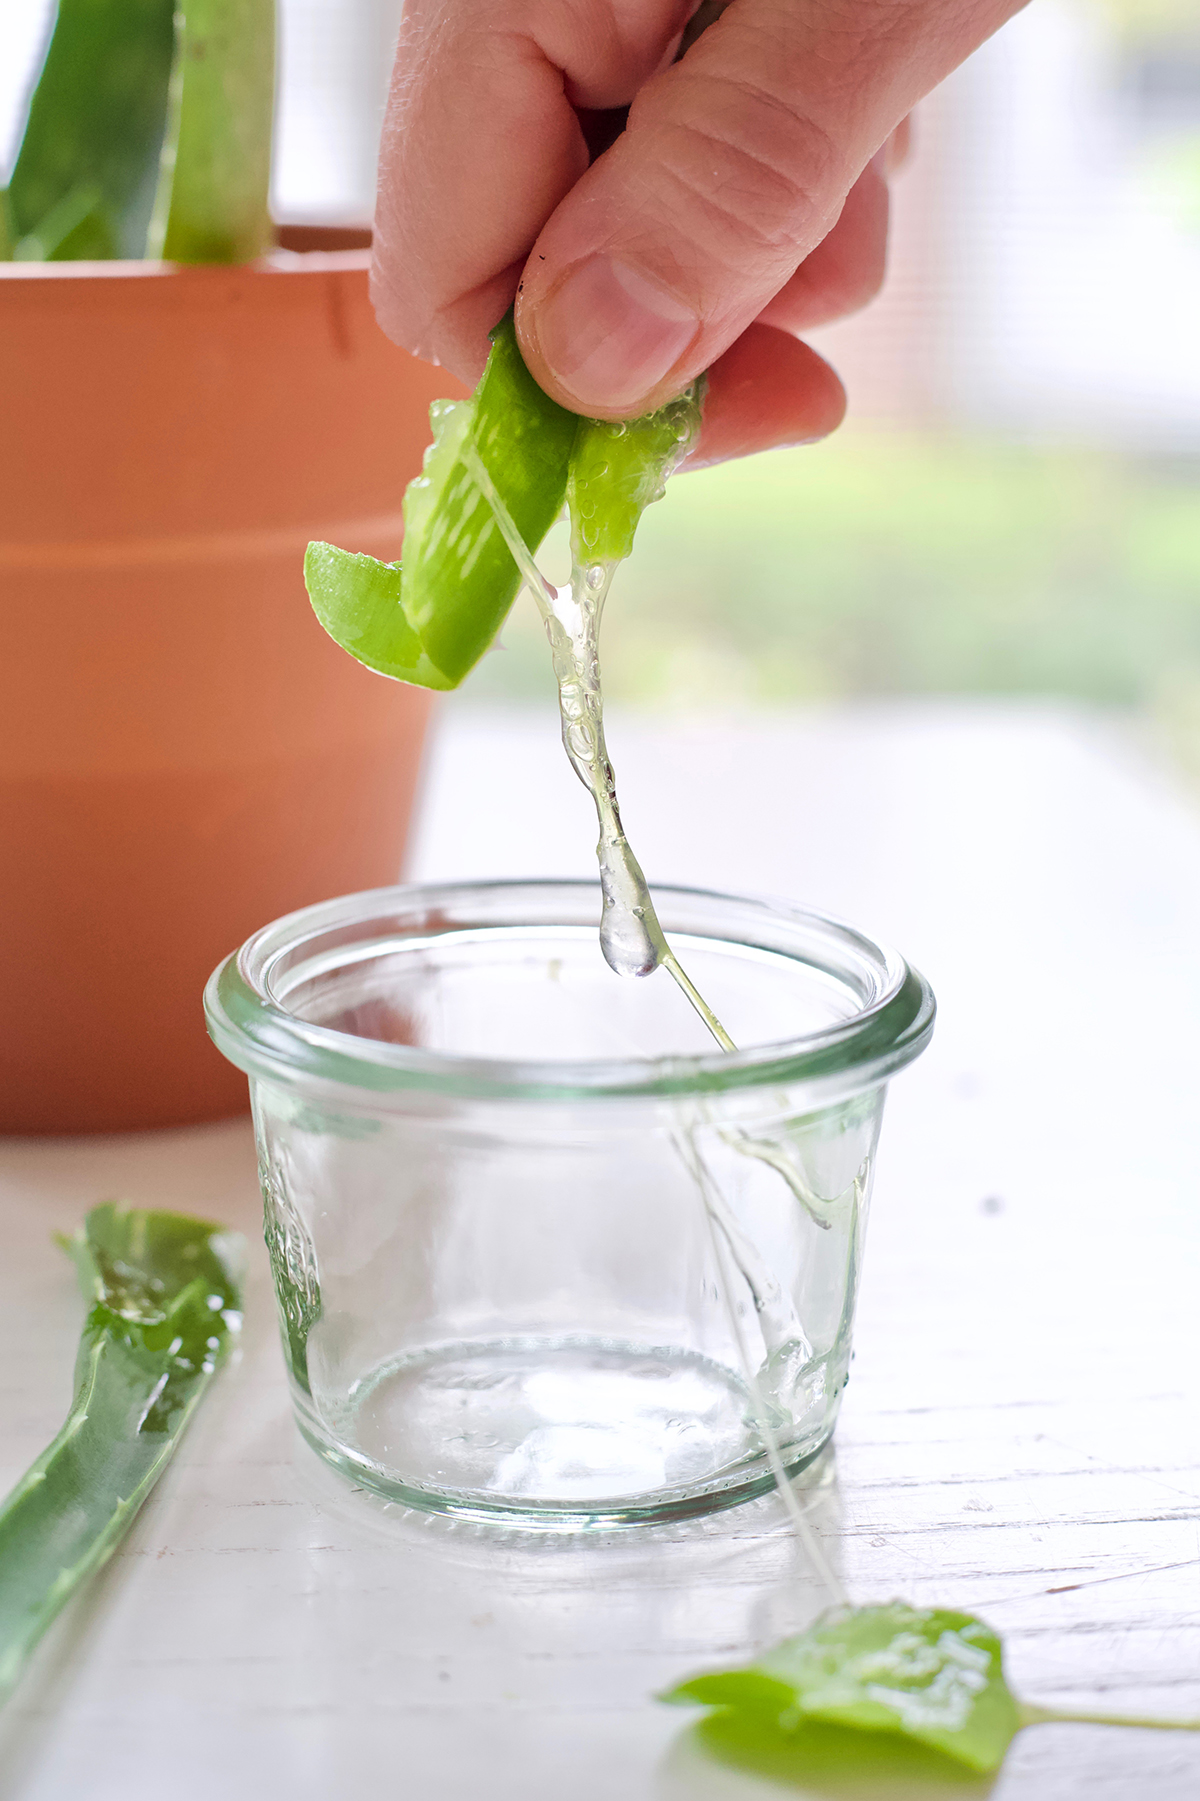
164	1298
926	1674
77	228
213	197
429	618
618	467
359	602
96	118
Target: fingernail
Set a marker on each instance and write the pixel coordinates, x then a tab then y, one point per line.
610	335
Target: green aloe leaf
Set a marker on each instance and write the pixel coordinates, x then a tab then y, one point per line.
619	467
164	1307
212	204
95	128
430	617
77	228
926	1674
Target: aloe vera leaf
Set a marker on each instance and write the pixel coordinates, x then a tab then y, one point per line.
357	600
429	618
165	1306
619	467
926	1674
212	204
97	115
77	228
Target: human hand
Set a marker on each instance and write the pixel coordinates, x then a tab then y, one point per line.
745	201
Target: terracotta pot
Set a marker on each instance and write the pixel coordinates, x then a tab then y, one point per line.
184	754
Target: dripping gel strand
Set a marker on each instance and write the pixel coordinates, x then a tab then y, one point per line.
631	938
634	944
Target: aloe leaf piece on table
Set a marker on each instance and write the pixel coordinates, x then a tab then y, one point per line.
927	1674
212	202
923	1674
95	130
165	1306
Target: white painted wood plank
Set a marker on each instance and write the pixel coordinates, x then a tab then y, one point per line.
1021	1431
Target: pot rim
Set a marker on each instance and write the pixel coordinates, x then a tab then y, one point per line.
276	262
316	246
251	1027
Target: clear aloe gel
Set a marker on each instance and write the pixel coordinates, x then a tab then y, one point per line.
730	1246
634	944
631	938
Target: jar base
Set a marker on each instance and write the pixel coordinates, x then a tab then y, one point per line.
557	1434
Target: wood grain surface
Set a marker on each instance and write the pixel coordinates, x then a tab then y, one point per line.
1020	1434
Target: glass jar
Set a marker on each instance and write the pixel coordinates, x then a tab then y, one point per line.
542	1253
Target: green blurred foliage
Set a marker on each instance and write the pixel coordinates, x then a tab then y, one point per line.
1148	21
882	563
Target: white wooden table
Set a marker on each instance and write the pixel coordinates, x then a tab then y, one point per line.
1020	1436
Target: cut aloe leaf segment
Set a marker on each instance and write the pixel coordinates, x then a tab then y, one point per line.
918	1673
430	617
618	468
164	1294
927	1674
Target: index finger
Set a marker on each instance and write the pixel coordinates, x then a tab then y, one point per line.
480	144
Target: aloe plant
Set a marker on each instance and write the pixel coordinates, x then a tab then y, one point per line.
148	134
165	1307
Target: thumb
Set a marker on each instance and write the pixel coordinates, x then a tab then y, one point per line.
734	164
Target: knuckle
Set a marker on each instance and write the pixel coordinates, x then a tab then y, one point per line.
758	172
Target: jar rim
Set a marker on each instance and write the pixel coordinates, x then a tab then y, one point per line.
254	1031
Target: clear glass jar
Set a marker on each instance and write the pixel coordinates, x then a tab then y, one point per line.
543	1254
